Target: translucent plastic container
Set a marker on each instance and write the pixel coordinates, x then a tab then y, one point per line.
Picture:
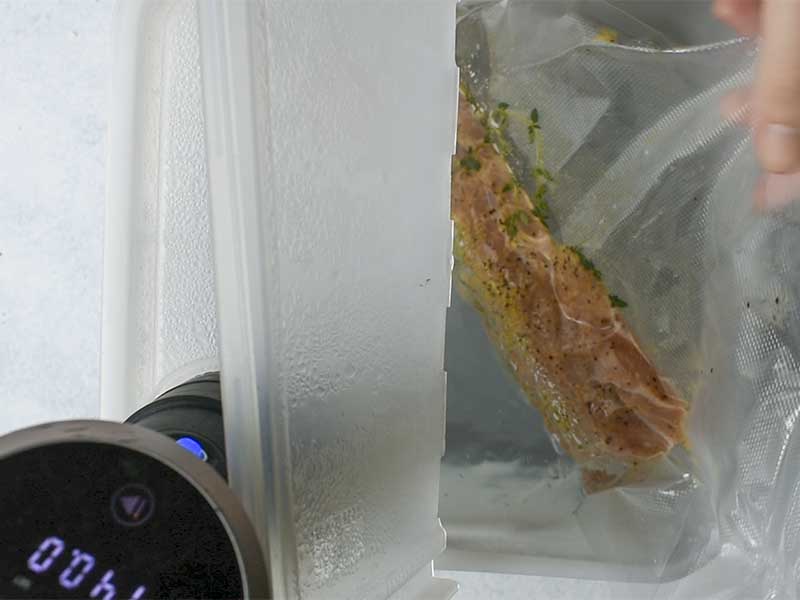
335	454
324	243
279	182
159	309
330	135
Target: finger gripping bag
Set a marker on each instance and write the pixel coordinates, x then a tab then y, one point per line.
608	115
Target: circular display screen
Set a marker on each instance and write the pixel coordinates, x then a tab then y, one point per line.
94	520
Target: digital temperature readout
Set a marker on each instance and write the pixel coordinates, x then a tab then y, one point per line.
78	572
84	520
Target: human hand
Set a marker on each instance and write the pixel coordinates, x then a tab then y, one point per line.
774	99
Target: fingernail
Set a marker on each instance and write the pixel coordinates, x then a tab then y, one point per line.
780	148
776	191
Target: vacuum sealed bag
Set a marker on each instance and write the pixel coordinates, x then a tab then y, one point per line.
623	339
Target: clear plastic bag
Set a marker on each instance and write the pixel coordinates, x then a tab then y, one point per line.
656	188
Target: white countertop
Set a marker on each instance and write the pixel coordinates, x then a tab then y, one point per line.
54	67
55	61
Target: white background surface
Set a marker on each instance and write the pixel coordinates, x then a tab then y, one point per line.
54	66
54	77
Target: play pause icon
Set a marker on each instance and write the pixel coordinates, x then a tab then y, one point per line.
132	505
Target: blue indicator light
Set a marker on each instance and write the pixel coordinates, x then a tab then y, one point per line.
193	446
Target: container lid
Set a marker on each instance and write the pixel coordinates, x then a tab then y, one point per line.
330	129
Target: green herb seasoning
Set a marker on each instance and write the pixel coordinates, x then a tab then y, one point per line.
540	173
541	210
513	221
533	125
617	302
470	162
511	228
496	126
585	262
500	115
468	93
494	136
